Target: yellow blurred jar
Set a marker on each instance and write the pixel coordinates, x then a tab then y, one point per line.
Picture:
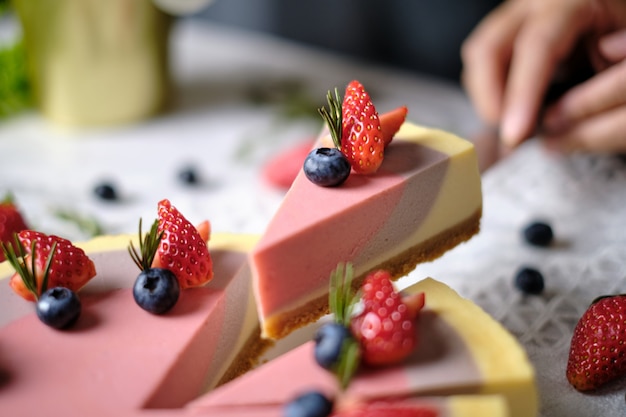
96	62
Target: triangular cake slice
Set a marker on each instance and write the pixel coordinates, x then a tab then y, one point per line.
119	359
424	200
451	406
462	351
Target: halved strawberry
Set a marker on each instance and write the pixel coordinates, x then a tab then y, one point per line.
11	222
390	123
182	249
204	229
361	138
386	326
70	267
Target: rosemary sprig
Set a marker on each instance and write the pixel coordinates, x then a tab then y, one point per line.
148	246
86	224
349	362
341	296
342	299
18	261
333	116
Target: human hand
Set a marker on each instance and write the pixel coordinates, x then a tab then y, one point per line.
515	53
592	116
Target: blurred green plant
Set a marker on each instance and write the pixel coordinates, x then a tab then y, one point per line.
4	6
15	89
15	92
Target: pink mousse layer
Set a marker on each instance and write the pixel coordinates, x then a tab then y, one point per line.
364	207
119	359
440	365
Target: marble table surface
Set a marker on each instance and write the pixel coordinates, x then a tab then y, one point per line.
215	126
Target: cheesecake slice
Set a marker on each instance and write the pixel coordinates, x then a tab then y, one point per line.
462	351
452	406
424	200
119	359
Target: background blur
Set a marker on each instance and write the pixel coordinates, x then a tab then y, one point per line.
419	35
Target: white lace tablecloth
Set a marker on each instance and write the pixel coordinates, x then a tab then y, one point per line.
584	198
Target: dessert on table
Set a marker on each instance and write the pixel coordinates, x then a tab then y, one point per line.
173	321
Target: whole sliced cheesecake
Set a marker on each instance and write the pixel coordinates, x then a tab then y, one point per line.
462	351
424	200
119	359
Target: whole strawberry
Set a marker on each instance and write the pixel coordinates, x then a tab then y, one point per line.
597	352
361	139
70	267
182	249
386	326
11	222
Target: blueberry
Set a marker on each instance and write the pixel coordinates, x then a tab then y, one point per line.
188	175
538	234
156	290
327	167
106	191
329	340
58	307
310	404
529	281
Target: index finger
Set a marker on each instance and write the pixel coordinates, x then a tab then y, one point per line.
486	54
549	34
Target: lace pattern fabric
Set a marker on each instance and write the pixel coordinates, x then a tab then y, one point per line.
584	199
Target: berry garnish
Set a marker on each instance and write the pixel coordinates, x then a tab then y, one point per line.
538	234
156	289
329	342
58	307
385	328
529	281
597	353
11	221
309	404
390	123
106	191
182	249
382	333
341	300
361	137
357	129
326	167
43	262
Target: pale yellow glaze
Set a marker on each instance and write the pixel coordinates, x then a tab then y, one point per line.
478	406
499	357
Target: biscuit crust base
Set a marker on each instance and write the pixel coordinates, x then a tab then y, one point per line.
281	324
248	357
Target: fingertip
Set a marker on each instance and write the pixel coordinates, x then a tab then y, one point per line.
512	130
